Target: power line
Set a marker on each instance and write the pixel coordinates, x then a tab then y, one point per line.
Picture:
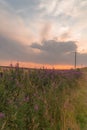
75	59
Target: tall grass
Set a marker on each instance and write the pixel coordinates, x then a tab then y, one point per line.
42	100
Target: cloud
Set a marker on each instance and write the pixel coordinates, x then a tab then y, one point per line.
58	52
65	36
14	26
24	22
27	19
13	50
45	31
55	52
49	52
52	46
25	8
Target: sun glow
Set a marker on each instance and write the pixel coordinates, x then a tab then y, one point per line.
34	65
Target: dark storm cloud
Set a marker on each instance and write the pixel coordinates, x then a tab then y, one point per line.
55	46
57	52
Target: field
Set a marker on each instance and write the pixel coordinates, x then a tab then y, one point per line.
43	99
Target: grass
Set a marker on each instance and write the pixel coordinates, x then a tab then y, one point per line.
43	100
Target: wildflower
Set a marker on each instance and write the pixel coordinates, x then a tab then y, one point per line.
26	99
2	115
36	107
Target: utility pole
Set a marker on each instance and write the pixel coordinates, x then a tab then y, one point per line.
75	59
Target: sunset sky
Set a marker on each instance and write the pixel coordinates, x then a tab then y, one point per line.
43	32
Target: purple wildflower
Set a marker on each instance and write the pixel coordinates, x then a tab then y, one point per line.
26	99
36	107
2	115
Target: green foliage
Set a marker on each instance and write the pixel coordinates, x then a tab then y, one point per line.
41	100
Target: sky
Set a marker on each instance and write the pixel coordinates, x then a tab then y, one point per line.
46	33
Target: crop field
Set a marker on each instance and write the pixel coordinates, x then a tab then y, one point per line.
43	99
